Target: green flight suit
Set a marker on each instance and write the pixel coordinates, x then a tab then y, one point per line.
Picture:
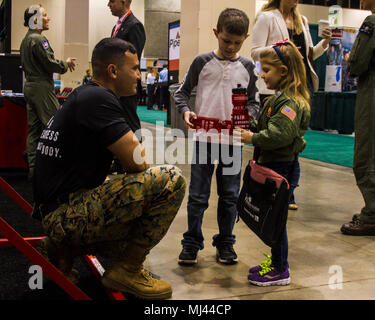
280	129
39	64
362	65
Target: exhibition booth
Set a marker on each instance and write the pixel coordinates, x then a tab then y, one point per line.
332	107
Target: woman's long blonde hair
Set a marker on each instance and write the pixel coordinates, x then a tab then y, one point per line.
297	18
293	84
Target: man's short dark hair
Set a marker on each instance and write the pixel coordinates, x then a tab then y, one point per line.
109	51
233	21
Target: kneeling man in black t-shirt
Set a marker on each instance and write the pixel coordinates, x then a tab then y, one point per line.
82	212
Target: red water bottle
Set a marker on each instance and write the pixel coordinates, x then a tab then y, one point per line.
240	113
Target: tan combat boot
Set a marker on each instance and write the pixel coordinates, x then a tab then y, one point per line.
62	258
136	281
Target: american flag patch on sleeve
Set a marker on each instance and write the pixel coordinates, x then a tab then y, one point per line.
290	113
45	44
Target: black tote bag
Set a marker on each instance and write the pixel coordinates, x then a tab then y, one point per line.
263	203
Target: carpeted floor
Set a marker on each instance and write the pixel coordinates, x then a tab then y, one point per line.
152	116
329	147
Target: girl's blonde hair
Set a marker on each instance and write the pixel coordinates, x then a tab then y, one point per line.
297	18
294	83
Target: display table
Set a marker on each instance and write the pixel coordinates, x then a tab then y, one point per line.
334	111
13	132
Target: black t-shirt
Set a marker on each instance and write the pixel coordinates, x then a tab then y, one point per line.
72	151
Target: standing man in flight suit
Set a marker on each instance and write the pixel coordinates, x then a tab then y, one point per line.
39	64
130	29
361	64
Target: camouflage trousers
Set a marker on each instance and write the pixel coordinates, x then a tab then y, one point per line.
122	219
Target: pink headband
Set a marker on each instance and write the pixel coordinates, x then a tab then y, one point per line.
276	45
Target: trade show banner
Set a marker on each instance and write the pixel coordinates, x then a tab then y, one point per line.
174	51
337	79
348	38
334	55
333	78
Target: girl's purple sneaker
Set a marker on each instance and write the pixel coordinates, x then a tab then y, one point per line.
269	276
263	264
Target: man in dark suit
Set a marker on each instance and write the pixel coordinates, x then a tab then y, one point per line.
130	29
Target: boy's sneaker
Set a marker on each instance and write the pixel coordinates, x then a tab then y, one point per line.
269	276
226	254
264	264
188	255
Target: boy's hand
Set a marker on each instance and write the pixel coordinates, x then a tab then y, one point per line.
188	115
246	136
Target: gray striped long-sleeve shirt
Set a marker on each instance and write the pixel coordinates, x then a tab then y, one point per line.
214	79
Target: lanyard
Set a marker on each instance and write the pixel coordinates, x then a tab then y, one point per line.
118	25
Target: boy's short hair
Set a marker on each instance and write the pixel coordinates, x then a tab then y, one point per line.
233	21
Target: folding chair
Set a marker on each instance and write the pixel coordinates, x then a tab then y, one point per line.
25	246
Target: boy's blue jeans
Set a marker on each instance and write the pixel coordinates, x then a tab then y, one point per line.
228	187
280	252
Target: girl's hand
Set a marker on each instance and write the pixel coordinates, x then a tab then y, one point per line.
246	136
